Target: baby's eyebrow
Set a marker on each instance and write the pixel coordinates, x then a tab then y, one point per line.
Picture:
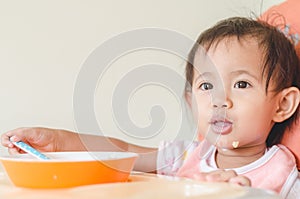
241	72
204	75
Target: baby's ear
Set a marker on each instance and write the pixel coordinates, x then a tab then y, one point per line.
287	104
188	98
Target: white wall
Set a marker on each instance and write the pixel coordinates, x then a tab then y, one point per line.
43	45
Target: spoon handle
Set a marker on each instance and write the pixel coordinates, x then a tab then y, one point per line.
25	147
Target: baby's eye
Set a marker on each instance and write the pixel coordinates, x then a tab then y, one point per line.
206	86
241	84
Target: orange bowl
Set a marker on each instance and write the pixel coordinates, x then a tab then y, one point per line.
68	169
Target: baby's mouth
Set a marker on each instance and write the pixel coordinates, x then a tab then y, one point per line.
221	126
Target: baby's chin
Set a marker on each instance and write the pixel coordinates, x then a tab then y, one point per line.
227	145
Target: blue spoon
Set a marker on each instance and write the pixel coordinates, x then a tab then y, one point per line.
25	147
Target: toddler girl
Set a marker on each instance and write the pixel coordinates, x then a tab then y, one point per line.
243	89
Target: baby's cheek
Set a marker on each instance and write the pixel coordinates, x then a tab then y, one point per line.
202	129
200	136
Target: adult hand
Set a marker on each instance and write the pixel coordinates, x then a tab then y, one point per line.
43	139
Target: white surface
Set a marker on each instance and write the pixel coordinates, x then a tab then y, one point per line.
44	43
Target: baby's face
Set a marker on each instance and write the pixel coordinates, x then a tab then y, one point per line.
230	103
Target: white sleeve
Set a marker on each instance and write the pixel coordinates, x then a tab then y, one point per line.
172	154
295	190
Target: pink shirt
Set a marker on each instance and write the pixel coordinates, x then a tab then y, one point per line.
275	171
